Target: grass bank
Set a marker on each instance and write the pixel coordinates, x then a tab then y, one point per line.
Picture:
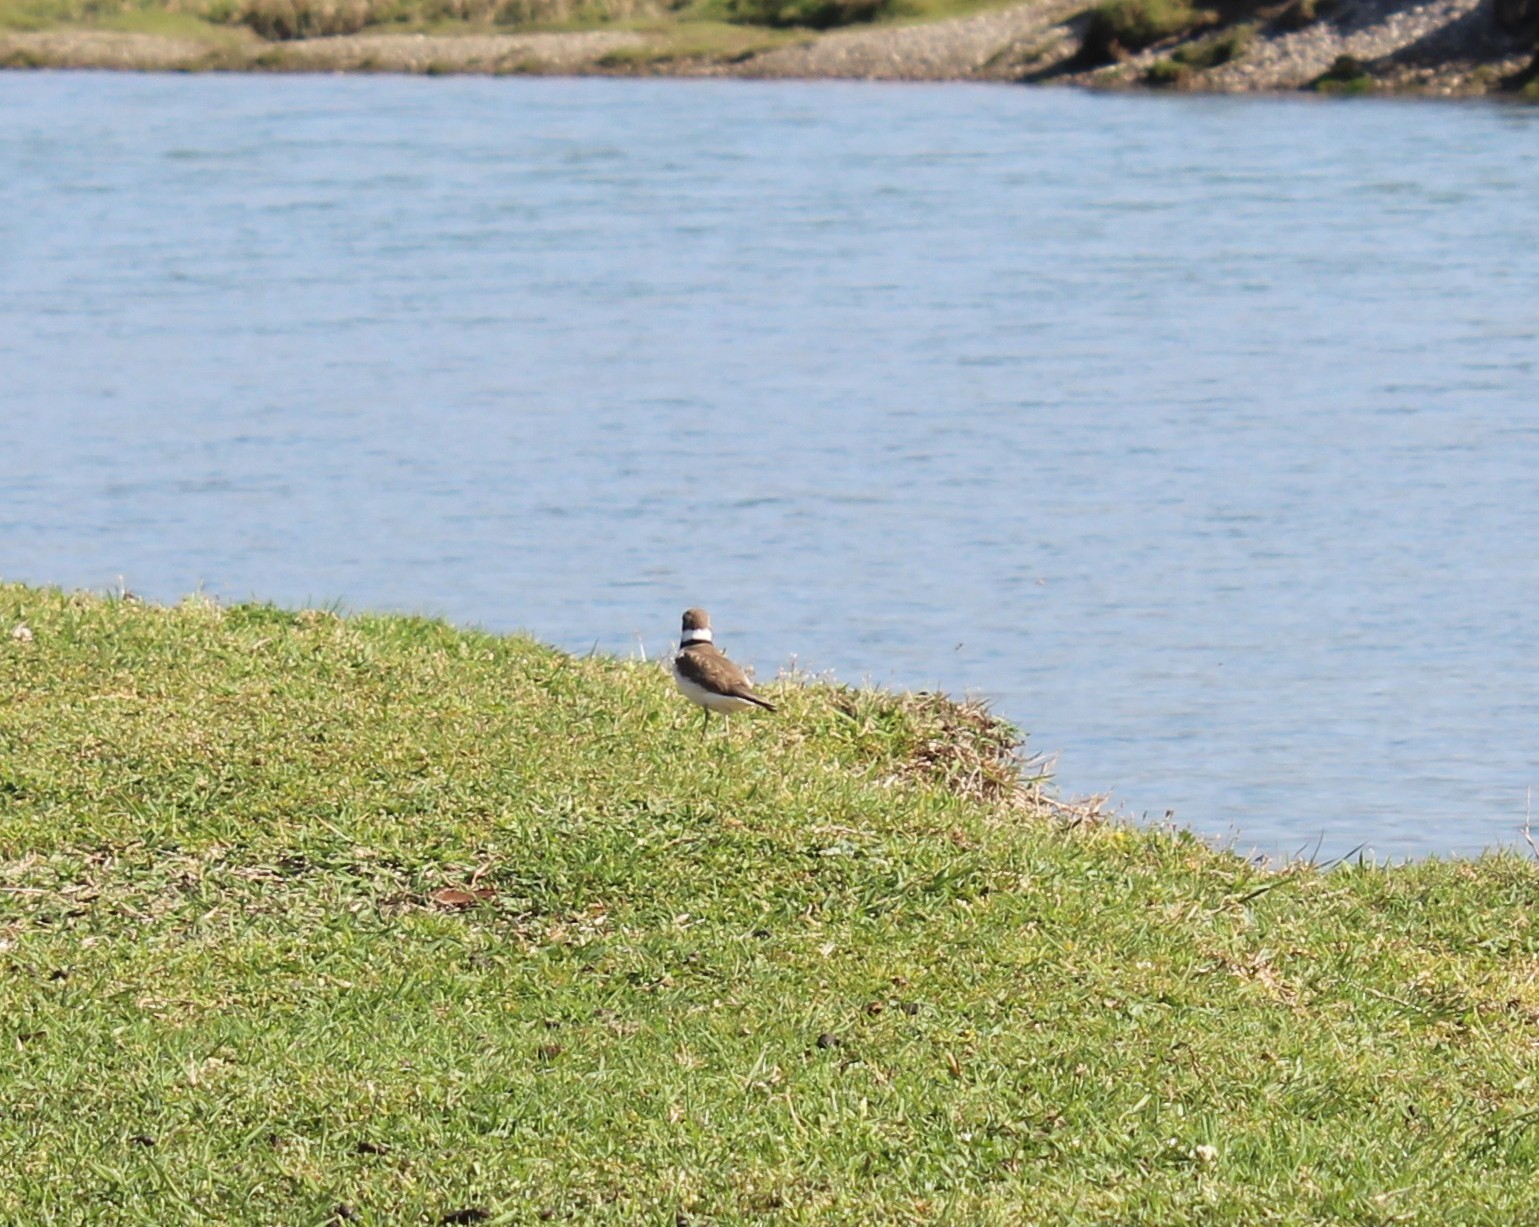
291	19
1329	46
307	919
260	34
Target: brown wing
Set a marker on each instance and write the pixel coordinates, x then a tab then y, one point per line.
703	664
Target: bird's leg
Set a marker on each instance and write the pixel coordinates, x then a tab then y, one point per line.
705	723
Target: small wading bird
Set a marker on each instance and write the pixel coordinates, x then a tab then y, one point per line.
707	677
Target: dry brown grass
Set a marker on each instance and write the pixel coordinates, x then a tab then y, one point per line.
965	748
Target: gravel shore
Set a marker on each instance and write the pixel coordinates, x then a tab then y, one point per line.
1442	47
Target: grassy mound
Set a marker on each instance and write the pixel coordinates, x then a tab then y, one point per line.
307	919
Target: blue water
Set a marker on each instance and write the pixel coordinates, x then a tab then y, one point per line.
1201	435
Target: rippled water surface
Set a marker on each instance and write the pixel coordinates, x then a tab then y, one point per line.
1200	434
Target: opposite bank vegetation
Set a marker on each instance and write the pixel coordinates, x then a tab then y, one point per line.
308	919
1439	47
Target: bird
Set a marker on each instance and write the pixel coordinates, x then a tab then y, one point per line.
705	676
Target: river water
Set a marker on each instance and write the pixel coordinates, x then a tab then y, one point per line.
1200	435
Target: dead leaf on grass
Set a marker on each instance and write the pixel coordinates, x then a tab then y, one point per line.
453	897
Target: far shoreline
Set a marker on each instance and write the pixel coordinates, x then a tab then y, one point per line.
1366	48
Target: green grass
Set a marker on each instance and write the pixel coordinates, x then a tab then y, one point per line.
170	25
1117	27
36	14
1199	56
677	42
282	20
830	966
1346	75
1165	72
199	19
1221	48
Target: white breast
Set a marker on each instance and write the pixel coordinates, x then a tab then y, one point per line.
726	704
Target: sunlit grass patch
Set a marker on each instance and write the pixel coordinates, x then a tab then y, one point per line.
300	912
36	14
283	20
701	39
168	25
